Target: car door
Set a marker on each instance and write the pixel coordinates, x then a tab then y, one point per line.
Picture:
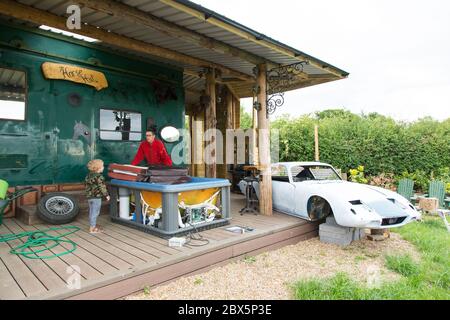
282	190
302	192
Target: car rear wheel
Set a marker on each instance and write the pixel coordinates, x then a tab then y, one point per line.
318	208
58	208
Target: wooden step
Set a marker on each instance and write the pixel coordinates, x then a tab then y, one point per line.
28	214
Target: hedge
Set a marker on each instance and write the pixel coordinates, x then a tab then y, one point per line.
379	143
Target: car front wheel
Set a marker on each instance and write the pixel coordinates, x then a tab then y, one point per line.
318	208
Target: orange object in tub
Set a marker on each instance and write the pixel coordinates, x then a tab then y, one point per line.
154	199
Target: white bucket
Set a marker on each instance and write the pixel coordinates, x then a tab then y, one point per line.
124	204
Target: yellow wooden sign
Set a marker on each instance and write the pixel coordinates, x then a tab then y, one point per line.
75	74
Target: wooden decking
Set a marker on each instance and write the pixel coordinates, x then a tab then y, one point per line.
122	261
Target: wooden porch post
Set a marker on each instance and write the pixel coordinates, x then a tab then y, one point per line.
254	152
237	113
229	126
265	184
210	124
230	102
316	143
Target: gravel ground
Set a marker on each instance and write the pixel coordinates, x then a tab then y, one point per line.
269	275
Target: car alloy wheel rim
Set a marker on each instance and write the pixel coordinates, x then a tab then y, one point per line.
59	205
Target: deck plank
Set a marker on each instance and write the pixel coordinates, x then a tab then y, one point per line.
132	255
144	238
124	259
24	277
162	242
9	289
89	257
135	243
217	234
40	268
87	271
58	265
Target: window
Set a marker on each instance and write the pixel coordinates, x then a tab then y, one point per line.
120	125
12	94
304	173
279	173
279	170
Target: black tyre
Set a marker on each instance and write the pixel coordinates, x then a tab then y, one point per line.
58	208
318	208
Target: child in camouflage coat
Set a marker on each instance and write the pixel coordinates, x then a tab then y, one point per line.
95	190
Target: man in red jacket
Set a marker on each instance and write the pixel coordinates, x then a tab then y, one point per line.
153	151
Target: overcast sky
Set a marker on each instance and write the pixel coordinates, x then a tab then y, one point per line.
397	51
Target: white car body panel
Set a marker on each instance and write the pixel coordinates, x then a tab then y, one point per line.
375	204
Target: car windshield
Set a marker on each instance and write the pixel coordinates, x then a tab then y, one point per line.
305	173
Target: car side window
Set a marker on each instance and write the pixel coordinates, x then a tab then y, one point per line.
280	173
300	174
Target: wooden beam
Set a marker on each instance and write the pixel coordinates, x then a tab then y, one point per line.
192	91
245	90
322	76
171	29
237	114
316	143
226	82
30	14
265	182
255	151
191	146
229	126
248	36
197	142
231	90
230	98
210	124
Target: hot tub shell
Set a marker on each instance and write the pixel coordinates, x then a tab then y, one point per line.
170	207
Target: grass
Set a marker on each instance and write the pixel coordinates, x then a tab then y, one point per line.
427	279
249	259
146	290
403	265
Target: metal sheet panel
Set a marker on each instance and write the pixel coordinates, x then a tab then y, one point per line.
130	29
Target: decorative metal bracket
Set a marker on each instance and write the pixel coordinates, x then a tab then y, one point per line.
278	81
257	105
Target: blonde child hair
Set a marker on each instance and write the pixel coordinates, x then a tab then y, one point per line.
95	165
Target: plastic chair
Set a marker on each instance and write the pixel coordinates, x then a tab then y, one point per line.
437	190
406	189
443	214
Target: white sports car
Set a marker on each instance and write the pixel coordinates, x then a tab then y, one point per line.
313	190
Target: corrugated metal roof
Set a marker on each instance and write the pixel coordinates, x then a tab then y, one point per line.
195	20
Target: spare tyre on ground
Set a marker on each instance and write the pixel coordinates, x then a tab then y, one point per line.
58	208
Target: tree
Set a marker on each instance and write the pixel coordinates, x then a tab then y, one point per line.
246	119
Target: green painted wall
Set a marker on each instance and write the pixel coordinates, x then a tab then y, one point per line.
44	143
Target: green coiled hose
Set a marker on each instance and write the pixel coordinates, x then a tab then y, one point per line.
40	241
